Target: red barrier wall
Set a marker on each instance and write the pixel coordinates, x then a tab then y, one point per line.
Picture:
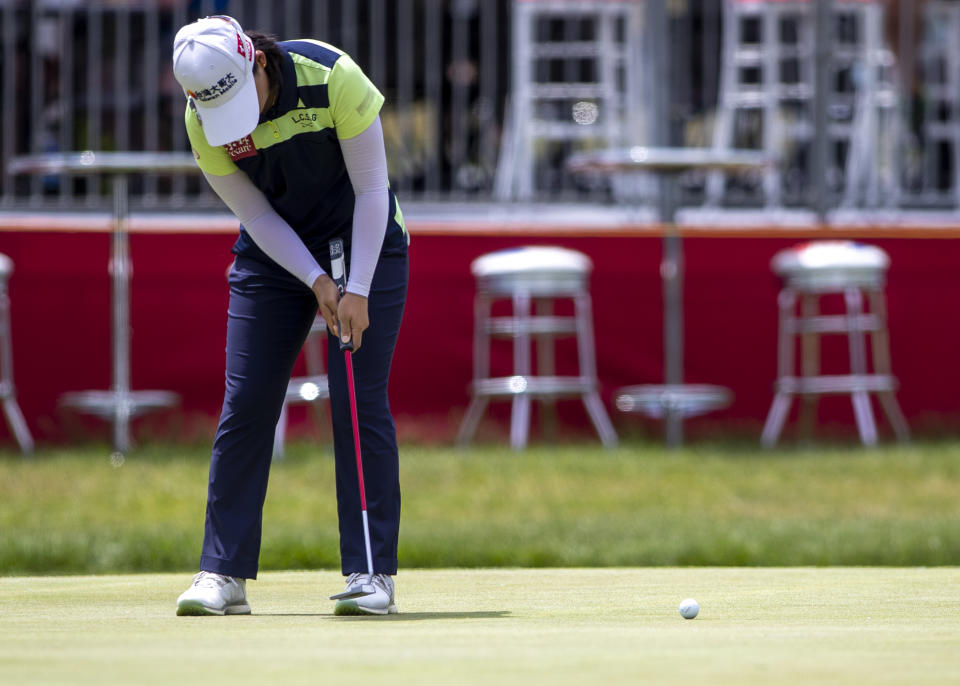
61	322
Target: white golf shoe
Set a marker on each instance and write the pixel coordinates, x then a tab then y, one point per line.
381	602
214	594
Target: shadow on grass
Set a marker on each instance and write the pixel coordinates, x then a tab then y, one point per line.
402	617
418	616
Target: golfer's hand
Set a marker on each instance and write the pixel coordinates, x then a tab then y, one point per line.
328	297
352	314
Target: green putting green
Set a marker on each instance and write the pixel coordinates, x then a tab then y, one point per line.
502	626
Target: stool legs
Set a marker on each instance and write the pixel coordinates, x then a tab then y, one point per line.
786	302
809	366
588	369
471	420
18	424
313	353
313	350
546	366
856	324
520	412
481	369
11	409
891	408
862	411
280	434
525	328
881	363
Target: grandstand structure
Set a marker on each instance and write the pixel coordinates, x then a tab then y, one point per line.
493	96
768	97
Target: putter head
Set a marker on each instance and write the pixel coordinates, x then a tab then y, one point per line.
356	591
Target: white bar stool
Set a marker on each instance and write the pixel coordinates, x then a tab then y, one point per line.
528	276
8	392
310	389
854	270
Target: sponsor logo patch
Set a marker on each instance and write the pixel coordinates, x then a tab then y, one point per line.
304	119
242	148
245	47
217	89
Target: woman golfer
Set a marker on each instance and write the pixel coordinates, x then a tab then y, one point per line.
288	134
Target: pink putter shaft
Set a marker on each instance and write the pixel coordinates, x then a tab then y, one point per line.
348	358
356	427
339	275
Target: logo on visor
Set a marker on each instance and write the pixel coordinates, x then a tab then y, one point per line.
217	89
241	148
245	48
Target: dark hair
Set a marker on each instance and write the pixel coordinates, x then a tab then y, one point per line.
267	43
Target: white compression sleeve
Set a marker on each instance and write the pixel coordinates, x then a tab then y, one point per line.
267	228
366	163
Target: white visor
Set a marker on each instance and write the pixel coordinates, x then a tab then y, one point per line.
213	62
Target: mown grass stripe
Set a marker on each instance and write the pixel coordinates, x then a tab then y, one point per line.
69	511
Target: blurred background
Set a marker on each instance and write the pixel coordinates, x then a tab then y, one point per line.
483	96
858	101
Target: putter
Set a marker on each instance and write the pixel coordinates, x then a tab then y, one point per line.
338	272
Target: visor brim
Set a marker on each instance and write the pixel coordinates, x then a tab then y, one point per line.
233	120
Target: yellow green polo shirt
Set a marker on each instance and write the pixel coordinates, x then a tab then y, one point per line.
294	154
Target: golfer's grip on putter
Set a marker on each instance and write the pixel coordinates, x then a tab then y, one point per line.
338	273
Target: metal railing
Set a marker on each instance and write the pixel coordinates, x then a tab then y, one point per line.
96	75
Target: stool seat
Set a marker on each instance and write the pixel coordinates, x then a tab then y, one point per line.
823	266
536	269
857	272
532	278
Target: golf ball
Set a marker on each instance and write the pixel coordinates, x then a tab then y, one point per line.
689	608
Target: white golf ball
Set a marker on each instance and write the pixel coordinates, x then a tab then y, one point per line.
689	608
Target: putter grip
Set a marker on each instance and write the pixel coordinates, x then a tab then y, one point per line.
338	273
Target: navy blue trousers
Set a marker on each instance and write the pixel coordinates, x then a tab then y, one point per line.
269	316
